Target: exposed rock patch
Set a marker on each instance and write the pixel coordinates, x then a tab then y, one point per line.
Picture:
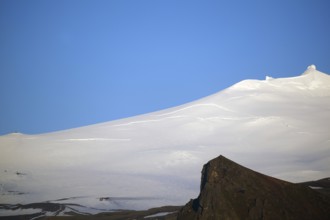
231	191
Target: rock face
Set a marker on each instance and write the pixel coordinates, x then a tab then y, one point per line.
231	191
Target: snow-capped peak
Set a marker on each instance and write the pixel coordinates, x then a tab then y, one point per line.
311	67
279	127
310	80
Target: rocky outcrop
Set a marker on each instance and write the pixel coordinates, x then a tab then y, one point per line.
231	191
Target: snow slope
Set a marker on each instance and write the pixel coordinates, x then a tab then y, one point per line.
280	127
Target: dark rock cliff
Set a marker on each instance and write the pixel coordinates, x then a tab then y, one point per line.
231	191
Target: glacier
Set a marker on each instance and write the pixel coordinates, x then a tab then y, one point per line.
280	127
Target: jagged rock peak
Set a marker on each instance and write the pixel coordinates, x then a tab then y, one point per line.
231	191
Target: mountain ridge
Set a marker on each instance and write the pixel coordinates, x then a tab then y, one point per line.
231	191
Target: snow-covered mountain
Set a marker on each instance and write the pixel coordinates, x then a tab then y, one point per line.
280	127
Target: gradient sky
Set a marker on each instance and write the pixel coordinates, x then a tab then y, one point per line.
70	63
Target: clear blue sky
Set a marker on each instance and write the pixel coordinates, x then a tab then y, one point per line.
70	63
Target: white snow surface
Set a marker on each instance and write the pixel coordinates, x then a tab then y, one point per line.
280	127
19	212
